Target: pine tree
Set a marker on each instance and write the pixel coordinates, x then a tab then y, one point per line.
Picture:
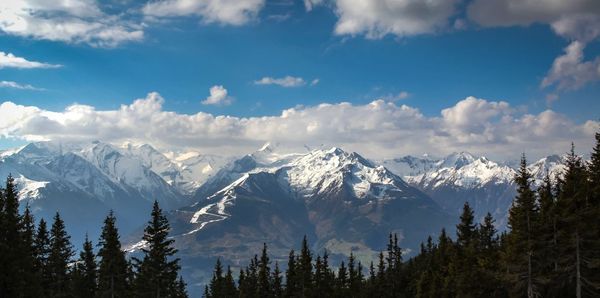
181	291
305	268
85	278
466	272
42	253
277	282
11	283
158	271
575	234
547	234
291	276
522	218
30	275
264	274
230	289
216	286
113	267
59	258
342	281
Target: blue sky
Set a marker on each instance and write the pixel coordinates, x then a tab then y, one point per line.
430	67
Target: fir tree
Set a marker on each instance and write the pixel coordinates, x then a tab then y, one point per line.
264	274
522	219
157	272
30	275
113	267
291	276
305	268
59	258
277	282
42	253
11	283
575	234
85	281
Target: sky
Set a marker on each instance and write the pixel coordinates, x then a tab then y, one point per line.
384	78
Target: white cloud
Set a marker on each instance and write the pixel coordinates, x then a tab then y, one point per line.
395	97
8	60
287	81
378	18
74	21
378	129
569	71
310	4
575	20
218	96
314	82
229	12
15	85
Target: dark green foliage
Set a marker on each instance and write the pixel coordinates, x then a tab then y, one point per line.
38	262
113	271
59	258
84	275
157	272
42	253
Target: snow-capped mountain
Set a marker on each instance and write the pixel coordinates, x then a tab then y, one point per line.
487	185
85	180
340	200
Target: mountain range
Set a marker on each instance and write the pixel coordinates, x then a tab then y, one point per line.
228	207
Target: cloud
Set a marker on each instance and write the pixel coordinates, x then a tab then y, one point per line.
287	81
378	18
576	20
75	21
311	4
569	71
228	12
395	97
218	96
15	85
8	60
379	129
314	82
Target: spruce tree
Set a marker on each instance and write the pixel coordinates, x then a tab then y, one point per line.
85	278
42	253
11	282
277	282
522	219
264	274
216	286
547	235
229	288
292	286
305	268
575	234
59	258
113	267
157	272
465	263
31	278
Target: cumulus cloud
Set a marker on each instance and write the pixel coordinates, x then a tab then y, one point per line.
15	85
378	18
378	129
576	20
569	71
75	21
287	81
8	60
228	12
218	96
